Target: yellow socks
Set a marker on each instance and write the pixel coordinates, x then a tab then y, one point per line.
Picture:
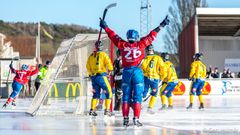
94	104
107	104
152	101
200	98
170	101
191	98
164	98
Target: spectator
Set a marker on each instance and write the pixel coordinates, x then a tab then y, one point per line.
215	73
232	75
238	75
209	72
224	74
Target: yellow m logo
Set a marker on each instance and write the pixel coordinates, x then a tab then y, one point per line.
74	89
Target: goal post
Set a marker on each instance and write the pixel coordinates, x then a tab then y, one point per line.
68	66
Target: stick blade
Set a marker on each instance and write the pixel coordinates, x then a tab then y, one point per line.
111	5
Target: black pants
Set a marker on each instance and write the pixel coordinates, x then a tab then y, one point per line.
37	85
118	95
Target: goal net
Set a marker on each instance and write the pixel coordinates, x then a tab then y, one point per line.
68	67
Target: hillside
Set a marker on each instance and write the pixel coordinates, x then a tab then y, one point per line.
48	46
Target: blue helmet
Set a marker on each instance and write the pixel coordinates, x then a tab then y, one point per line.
24	67
132	35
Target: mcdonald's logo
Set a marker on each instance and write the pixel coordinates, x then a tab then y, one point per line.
74	89
55	91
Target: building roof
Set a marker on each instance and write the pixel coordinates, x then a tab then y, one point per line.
218	21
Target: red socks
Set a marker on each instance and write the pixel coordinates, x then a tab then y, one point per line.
125	109
9	100
137	110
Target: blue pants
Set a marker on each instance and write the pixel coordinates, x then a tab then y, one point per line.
197	85
150	83
17	87
101	82
132	85
169	89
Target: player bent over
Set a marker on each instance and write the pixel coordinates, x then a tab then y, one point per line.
97	65
132	52
169	83
19	81
153	68
117	79
197	76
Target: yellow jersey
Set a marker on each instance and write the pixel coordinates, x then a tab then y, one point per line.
171	72
198	70
98	63
153	67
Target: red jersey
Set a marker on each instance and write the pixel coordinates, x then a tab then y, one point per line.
132	54
22	76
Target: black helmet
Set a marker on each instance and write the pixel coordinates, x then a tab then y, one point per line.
198	56
48	62
165	56
99	45
150	48
118	52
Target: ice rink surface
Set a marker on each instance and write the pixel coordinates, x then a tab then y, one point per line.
221	116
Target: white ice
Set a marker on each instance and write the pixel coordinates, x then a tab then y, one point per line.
221	116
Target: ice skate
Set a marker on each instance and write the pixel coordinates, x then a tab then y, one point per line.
13	105
190	106
136	122
164	107
99	107
170	107
201	107
4	106
108	113
126	122
92	113
150	111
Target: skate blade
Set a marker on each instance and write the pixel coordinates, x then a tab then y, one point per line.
92	117
13	107
137	127
125	127
162	110
151	113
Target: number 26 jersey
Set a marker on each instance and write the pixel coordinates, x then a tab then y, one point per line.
132	53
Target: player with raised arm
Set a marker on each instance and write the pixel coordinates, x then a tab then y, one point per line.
132	52
19	81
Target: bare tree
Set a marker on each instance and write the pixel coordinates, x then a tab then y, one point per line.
180	13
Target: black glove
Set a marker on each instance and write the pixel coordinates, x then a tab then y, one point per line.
165	22
162	24
11	66
103	24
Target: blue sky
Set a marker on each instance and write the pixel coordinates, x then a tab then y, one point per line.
87	12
